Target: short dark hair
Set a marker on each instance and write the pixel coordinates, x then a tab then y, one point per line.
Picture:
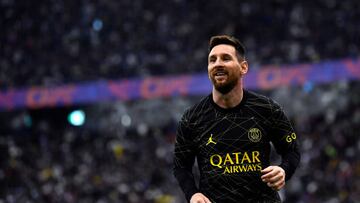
229	40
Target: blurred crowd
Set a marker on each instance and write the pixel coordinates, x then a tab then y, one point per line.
124	152
330	165
72	166
58	42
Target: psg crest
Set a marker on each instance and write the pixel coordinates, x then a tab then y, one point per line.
254	134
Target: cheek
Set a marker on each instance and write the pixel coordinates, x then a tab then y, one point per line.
234	70
237	70
209	69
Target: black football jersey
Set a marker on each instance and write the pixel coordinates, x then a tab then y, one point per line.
232	146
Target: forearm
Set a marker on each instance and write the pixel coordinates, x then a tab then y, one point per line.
186	181
290	162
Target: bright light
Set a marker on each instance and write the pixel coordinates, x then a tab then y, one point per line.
126	120
97	24
77	118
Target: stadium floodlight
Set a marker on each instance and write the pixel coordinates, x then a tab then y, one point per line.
97	24
77	118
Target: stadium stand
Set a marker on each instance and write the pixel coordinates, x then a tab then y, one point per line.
123	152
60	42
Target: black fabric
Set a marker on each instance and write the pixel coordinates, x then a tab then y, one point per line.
232	146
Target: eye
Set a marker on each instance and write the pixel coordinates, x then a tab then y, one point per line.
212	60
227	58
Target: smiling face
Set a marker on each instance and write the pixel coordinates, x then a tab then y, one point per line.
224	68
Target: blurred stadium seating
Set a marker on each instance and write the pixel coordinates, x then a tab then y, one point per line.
58	42
123	152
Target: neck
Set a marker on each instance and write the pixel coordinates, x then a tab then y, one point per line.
230	99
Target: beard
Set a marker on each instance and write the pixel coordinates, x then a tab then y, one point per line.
227	86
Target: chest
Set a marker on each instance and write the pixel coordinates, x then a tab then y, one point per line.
232	133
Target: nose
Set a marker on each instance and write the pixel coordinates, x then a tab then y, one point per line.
218	63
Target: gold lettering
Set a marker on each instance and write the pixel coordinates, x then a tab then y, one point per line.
228	159
226	170
236	157
238	162
246	157
255	156
259	167
243	167
218	164
288	138
293	136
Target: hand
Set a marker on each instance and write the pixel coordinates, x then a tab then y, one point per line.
274	176
199	198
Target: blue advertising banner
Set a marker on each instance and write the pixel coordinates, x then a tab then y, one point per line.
267	77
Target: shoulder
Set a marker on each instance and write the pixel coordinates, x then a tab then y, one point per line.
259	101
198	109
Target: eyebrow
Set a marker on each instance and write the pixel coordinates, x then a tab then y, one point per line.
211	56
221	54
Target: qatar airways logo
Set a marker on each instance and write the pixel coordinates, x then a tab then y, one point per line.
237	162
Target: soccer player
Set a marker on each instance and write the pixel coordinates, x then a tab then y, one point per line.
229	132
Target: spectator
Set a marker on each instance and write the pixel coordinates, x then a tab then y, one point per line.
63	42
108	162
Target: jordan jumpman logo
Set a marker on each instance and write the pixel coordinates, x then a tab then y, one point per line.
210	140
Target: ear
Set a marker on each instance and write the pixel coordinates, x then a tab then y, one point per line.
244	66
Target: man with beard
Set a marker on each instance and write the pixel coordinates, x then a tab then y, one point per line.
229	133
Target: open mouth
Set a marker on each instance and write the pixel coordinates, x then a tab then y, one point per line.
219	75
